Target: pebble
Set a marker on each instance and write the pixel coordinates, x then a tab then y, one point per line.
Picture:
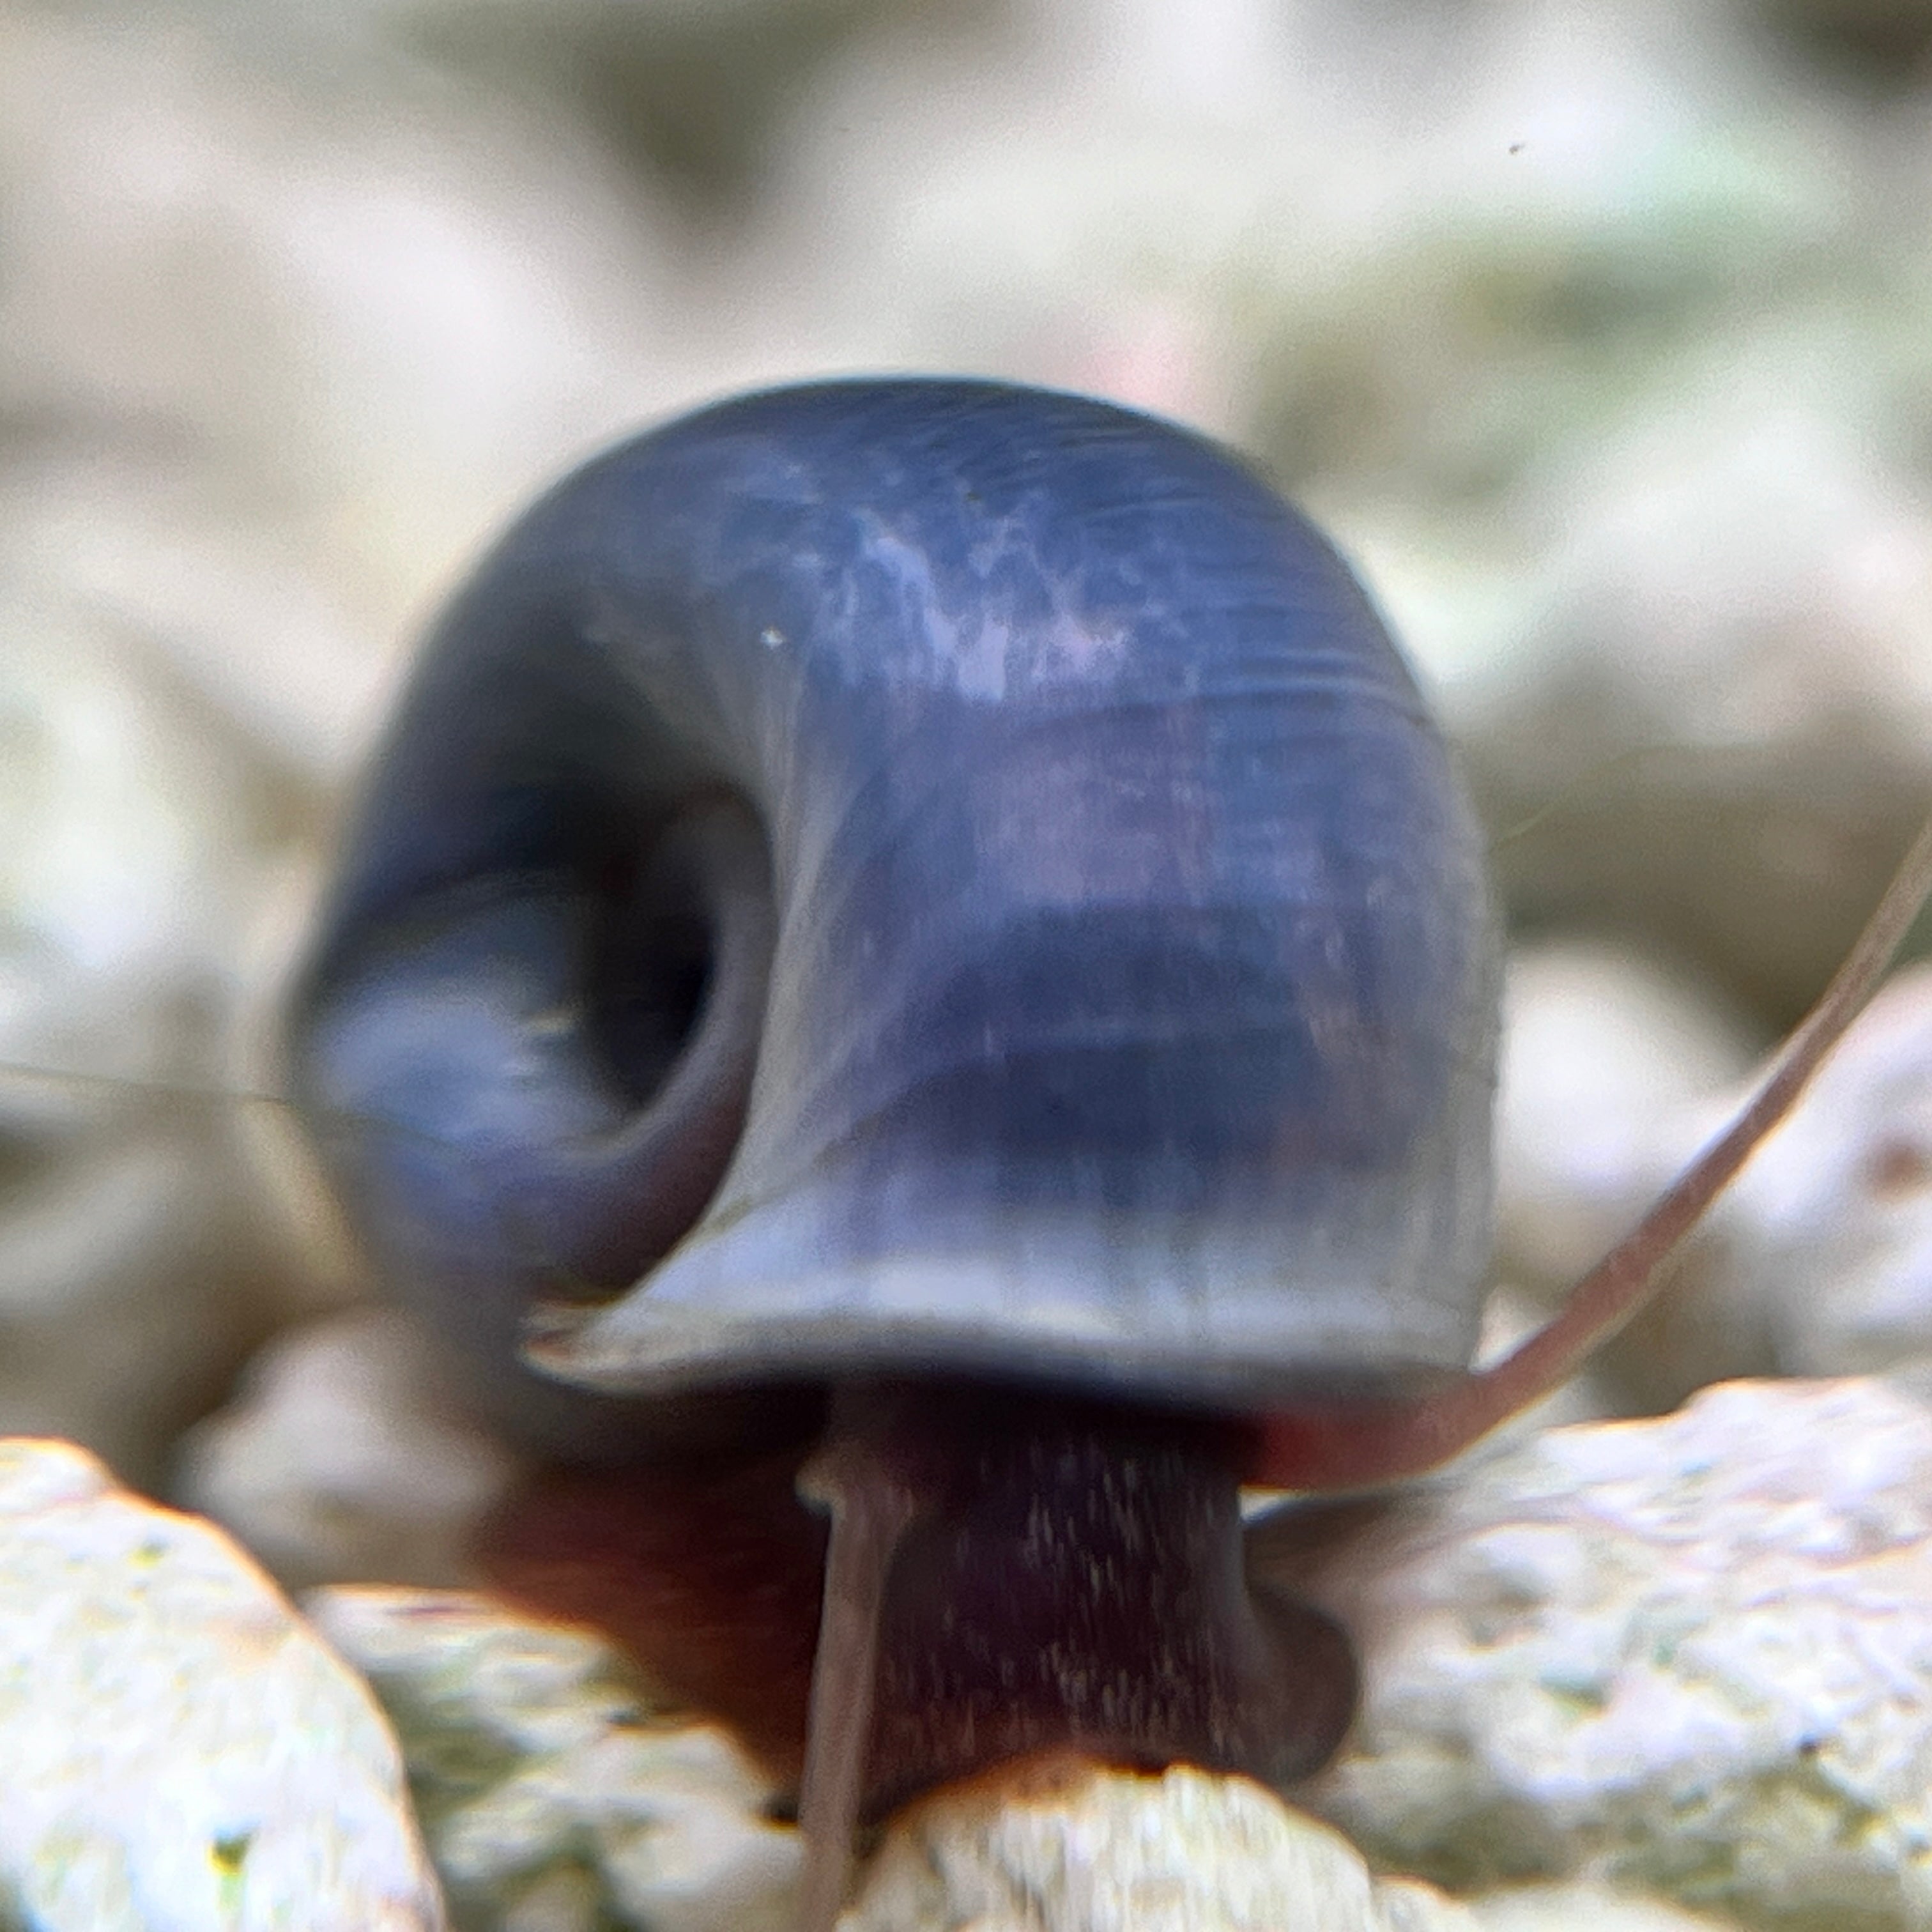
343	1458
550	1792
181	1754
1689	1656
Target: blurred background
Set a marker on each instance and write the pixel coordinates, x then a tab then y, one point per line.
1595	331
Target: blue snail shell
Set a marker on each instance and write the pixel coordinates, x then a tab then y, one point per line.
915	875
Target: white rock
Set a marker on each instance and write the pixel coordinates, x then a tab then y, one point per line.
1584	1908
136	1274
1615	1071
297	326
1073	1849
142	1254
344	1459
181	1754
1718	718
549	1795
1831	1225
1601	1046
1817	1260
1693	1656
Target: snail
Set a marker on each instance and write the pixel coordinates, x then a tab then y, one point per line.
913	993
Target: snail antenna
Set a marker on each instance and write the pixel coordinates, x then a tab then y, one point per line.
1355	1448
870	1510
20	1074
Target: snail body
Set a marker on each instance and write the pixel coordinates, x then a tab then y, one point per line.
913	942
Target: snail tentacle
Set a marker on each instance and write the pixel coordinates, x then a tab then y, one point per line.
871	1508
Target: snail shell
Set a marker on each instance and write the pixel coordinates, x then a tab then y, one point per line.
905	875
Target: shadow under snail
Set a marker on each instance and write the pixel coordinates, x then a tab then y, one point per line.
914	991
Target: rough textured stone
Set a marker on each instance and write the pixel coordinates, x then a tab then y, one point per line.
1816	1261
1069	1848
1830	1227
1615	1071
1075	1849
344	1459
552	1797
181	1754
142	1253
1693	1656
549	1795
1719	714
1601	1048
1584	1908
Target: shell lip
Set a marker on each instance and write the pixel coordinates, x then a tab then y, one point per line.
652	1353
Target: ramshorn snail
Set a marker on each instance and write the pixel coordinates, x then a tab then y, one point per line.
921	933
